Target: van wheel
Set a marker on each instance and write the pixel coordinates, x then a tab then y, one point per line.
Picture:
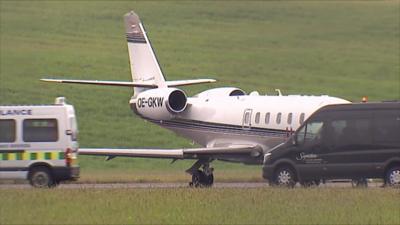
40	177
285	177
392	178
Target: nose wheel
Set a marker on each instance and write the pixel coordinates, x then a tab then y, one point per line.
202	174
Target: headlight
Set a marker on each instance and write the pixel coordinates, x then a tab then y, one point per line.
267	156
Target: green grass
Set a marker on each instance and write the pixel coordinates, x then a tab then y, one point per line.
200	206
344	49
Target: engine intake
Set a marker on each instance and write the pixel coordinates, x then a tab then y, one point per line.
177	101
160	103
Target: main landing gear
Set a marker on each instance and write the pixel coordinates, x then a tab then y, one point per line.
202	174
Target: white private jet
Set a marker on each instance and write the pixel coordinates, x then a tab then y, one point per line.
230	125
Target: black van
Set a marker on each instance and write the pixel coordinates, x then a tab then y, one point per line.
347	141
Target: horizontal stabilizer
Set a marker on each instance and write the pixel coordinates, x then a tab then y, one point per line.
177	83
131	84
188	153
100	82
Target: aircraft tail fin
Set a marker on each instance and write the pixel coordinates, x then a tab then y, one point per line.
144	65
145	70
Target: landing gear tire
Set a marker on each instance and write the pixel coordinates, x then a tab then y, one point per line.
359	183
285	177
201	179
41	177
392	177
310	183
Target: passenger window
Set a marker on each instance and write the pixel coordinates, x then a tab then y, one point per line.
289	118
301	119
387	127
40	130
352	133
7	130
74	127
278	118
267	116
257	117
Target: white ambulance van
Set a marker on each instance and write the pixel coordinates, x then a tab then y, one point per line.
39	143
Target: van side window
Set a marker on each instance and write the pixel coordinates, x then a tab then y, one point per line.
289	118
258	117
386	128
40	130
352	133
301	119
278	118
267	116
7	130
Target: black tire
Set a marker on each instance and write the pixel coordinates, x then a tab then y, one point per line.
196	177
359	183
285	177
41	177
310	183
200	179
392	177
209	180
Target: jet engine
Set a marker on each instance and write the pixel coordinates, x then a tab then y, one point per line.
160	103
221	92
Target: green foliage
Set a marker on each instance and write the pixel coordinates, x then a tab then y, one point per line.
344	49
200	206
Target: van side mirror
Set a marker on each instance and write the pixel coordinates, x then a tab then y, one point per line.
68	132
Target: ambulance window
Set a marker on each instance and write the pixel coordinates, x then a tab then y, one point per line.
301	120
289	118
278	118
40	130
7	130
74	128
267	116
258	117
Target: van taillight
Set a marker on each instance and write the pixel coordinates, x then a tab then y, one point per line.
68	157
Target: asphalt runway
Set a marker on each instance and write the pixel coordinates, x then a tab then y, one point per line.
176	185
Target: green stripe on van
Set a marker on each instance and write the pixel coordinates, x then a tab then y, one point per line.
61	155
47	155
33	156
19	156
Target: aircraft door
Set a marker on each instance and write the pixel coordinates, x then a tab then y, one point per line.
246	124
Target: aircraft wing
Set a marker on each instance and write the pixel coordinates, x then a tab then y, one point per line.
131	84
184	153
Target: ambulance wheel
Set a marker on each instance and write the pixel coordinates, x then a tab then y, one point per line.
40	177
